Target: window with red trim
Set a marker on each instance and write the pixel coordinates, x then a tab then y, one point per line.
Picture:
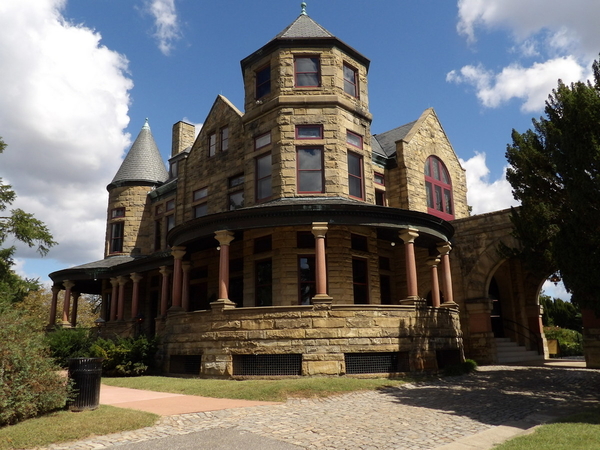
438	188
310	170
307	71
309	131
350	81
263	81
355	175
116	237
263	177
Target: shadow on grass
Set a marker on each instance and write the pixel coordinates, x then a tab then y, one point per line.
501	395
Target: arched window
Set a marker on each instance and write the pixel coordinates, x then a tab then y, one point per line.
439	189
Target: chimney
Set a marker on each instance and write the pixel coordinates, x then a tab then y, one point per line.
183	137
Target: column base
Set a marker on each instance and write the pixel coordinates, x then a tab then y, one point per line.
449	305
221	304
175	309
322	301
65	325
417	301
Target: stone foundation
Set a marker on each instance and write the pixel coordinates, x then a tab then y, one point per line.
322	335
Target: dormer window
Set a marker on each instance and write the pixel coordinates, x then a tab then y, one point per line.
307	71
263	82
438	189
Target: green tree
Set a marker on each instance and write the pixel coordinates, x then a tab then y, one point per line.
559	313
24	227
555	173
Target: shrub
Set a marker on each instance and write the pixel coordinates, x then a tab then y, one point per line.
30	383
68	343
453	370
125	356
570	341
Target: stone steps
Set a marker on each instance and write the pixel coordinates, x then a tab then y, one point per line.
511	352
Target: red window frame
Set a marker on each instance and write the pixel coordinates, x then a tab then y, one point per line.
300	171
259	137
438	189
350	85
356	135
356	177
117	234
316	72
305	127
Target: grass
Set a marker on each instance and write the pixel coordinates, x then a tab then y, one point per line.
578	432
263	390
65	426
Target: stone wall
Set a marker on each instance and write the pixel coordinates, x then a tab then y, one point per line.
321	334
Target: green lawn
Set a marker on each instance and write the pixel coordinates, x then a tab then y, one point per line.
64	426
264	390
578	432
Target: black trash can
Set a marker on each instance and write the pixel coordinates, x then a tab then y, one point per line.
86	374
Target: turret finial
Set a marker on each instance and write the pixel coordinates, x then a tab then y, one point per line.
146	124
303	6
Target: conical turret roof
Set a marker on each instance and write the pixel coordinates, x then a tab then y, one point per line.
143	164
304	27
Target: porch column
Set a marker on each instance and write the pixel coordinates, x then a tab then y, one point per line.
224	237
164	292
135	296
75	296
444	250
114	298
121	305
53	305
319	230
185	285
177	253
67	303
435	284
409	235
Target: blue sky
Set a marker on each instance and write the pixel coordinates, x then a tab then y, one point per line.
79	78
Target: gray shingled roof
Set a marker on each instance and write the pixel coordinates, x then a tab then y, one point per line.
143	162
304	27
388	140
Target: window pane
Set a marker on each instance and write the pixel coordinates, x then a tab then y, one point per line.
436	169
307	64
438	198
350	81
307	79
200	194
309	132
264	189
263	82
310	182
429	190
264	292
236	181
262	141
354	165
200	210
170	222
448	201
212	144
379	179
428	167
263	166
236	200
445	176
306	273
309	159
355	187
224	139
354	139
379	197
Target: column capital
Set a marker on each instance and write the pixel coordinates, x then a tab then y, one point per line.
114	281
408	235
122	280
178	252
444	248
165	271
186	266
68	284
224	237
135	277
55	289
75	295
319	229
433	261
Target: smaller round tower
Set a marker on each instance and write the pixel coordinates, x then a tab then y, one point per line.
142	170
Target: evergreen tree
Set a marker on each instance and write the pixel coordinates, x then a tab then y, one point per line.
555	173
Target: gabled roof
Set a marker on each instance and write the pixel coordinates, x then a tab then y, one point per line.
143	163
387	141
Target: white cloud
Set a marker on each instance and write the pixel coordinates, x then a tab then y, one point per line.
166	23
530	84
64	101
482	194
563	37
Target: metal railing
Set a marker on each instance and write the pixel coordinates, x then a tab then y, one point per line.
529	335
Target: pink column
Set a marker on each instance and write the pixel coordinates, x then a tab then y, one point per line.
121	305
177	253
224	237
408	236
114	298
444	250
435	284
164	293
319	230
67	303
75	296
185	285
53	305
135	296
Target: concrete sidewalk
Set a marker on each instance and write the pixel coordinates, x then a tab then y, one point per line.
166	404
